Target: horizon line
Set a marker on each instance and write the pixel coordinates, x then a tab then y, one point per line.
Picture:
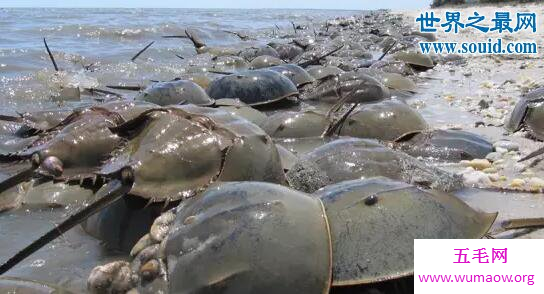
232	8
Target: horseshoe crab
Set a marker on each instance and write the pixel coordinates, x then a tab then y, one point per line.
258	234
202	48
253	52
386	120
374	223
393	66
418	61
253	87
453	145
529	114
393	81
320	72
363	89
295	73
247	230
287	51
350	158
295	124
264	61
175	92
171	165
229	63
72	150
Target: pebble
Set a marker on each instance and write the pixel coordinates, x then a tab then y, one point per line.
476	178
478	164
493	156
143	243
508	145
517	183
490	170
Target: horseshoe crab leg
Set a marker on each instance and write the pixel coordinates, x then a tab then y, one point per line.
108	194
16	179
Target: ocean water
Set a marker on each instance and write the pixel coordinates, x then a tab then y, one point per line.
108	38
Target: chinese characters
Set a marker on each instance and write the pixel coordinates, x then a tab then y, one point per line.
498	255
453	22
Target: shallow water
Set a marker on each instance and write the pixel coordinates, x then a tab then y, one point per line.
108	38
66	261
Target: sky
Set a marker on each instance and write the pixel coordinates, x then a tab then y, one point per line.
316	4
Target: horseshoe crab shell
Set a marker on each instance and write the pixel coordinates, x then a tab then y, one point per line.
295	73
43	120
181	151
254	87
127	110
320	72
386	120
415	59
350	158
529	113
82	143
265	61
239	108
363	89
392	81
248	237
253	52
287	51
229	63
296	124
175	92
444	144
385	217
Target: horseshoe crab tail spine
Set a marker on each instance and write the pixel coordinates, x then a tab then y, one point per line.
517	224
387	51
50	55
16	179
196	41
532	154
126	88
108	194
317	60
141	51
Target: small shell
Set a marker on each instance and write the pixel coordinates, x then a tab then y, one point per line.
161	225
114	277
143	243
150	270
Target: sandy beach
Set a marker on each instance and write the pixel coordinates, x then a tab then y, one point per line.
455	93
